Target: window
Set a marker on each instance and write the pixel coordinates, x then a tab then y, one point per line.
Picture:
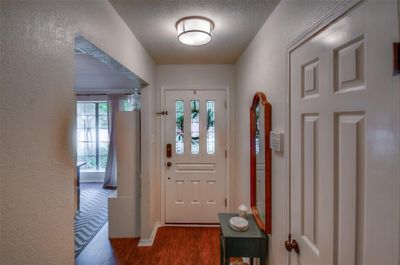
92	134
195	126
179	144
210	127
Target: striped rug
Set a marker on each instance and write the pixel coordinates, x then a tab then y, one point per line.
93	214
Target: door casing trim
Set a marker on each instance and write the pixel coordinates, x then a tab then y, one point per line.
164	89
321	24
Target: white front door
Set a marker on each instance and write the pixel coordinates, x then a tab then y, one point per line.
195	128
344	141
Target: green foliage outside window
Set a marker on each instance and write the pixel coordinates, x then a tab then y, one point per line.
92	134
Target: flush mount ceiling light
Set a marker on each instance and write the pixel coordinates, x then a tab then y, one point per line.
194	30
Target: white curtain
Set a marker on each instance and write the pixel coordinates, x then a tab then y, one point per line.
110	178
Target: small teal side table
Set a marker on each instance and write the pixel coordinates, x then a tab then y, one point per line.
251	243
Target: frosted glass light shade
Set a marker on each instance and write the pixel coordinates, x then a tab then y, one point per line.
194	31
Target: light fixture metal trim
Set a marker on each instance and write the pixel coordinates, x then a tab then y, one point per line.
185	31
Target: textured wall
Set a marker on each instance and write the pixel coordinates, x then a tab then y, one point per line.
262	68
37	119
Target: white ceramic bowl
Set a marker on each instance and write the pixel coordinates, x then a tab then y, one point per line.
238	223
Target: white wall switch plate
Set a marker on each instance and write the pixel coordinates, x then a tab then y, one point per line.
276	141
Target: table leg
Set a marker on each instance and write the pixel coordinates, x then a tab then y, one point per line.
78	187
262	261
227	252
263	254
221	253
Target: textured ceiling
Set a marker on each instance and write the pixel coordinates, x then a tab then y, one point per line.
153	23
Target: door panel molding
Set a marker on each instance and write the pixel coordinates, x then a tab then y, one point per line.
349	183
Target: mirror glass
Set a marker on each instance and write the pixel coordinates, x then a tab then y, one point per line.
260	161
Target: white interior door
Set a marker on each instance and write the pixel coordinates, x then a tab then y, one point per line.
344	141
195	127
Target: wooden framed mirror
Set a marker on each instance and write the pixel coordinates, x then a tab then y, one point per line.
260	161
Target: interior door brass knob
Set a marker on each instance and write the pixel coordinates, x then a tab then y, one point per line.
169	164
292	244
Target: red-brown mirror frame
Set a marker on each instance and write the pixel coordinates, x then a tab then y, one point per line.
260	98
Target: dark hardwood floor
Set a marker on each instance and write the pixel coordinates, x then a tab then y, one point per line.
172	246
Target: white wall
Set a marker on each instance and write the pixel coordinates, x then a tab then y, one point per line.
262	68
181	75
37	119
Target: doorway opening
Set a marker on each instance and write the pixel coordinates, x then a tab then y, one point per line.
104	88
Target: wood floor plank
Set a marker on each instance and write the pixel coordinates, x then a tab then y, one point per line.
172	246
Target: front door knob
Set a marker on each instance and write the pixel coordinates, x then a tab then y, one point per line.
292	244
169	164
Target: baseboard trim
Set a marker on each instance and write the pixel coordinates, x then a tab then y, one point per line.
148	242
192	225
